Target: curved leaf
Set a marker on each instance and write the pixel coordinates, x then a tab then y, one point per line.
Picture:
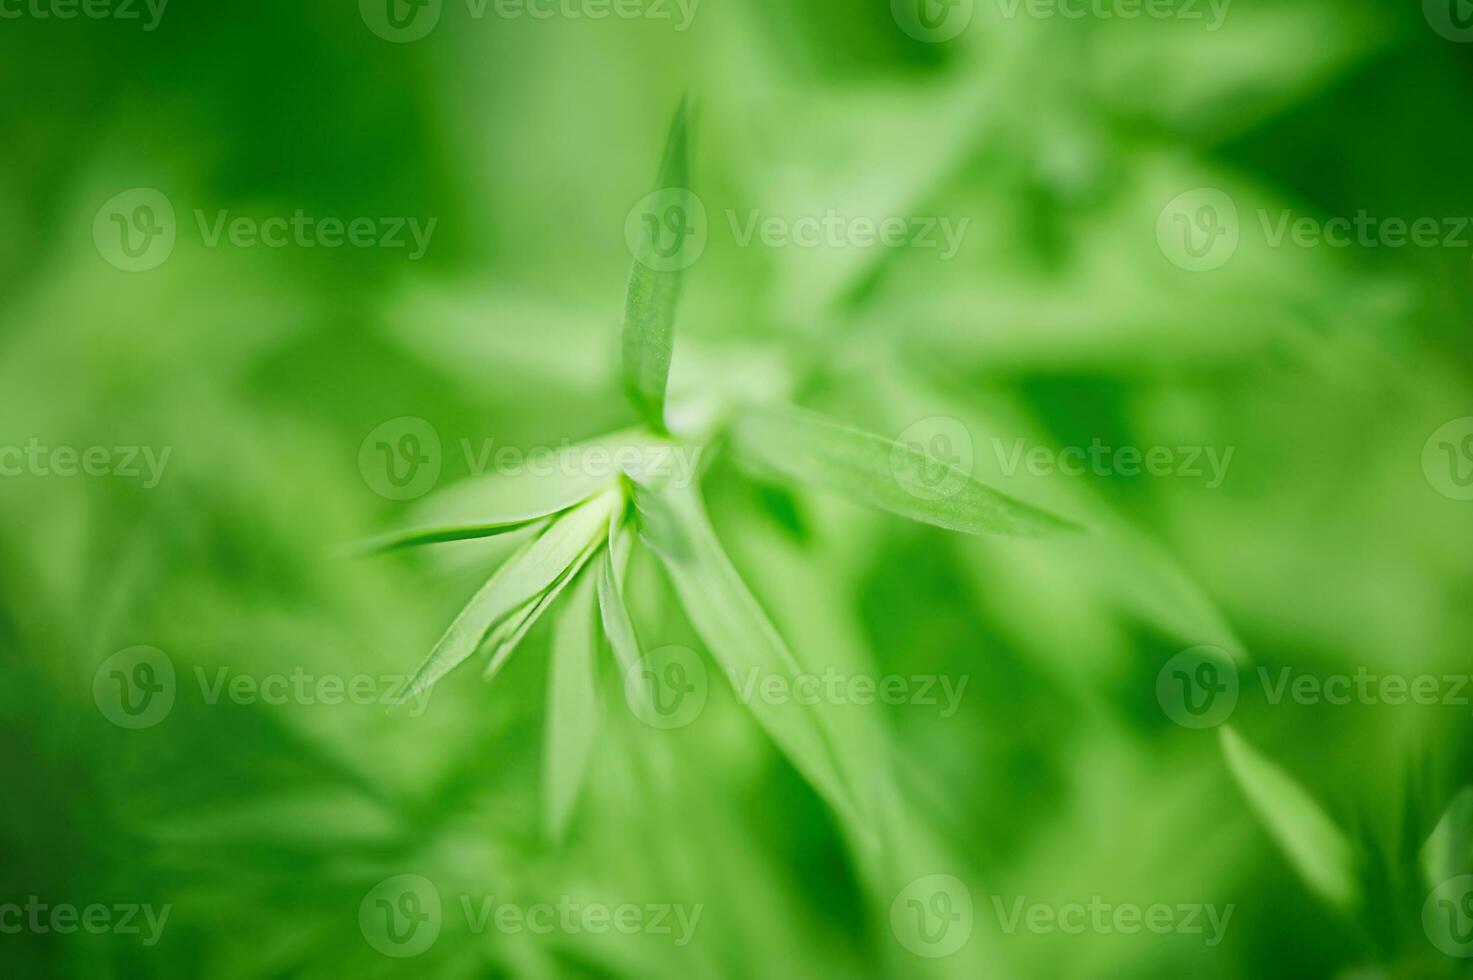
522	579
416	536
1316	848
737	632
504	639
797	445
1449	848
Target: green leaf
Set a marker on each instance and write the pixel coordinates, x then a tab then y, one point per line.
522	579
572	703
738	633
529	486
796	445
653	294
618	625
415	536
1448	852
504	639
499	503
1318	850
620	544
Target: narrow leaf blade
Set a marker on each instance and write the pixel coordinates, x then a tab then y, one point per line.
416	536
795	445
619	628
572	703
738	633
1448	852
1318	850
513	485
653	293
524	577
504	639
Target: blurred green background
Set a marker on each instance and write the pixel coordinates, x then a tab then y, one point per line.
1336	541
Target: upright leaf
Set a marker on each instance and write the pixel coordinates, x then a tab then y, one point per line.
654	289
788	443
1316	848
572	703
521	580
621	542
737	632
619	627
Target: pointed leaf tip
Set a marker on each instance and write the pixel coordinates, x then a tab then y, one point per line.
665	233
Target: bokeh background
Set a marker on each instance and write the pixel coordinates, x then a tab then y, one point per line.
1337	541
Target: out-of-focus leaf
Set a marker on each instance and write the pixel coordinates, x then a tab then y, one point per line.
530	341
572	703
1241	69
1449	848
738	633
1318	850
653	294
532	570
797	445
